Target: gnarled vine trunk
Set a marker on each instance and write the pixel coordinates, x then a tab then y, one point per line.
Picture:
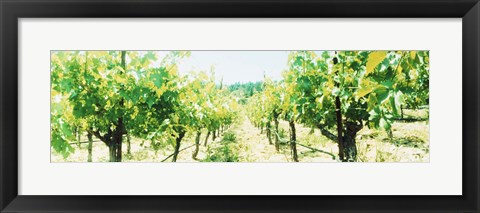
269	133
115	142
129	145
197	144
90	144
112	150
277	143
206	138
178	140
293	140
338	112
349	143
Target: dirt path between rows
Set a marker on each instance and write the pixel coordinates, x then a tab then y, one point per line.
255	145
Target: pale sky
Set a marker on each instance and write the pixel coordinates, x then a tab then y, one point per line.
237	66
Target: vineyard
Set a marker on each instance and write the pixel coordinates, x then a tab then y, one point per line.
325	106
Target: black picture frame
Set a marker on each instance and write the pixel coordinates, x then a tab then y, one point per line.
12	10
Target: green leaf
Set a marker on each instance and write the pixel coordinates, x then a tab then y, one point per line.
298	61
372	102
382	94
150	101
325	55
374	59
157	79
395	108
388	84
320	102
366	87
135	95
396	101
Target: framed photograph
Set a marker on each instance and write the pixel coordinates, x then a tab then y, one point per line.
252	106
